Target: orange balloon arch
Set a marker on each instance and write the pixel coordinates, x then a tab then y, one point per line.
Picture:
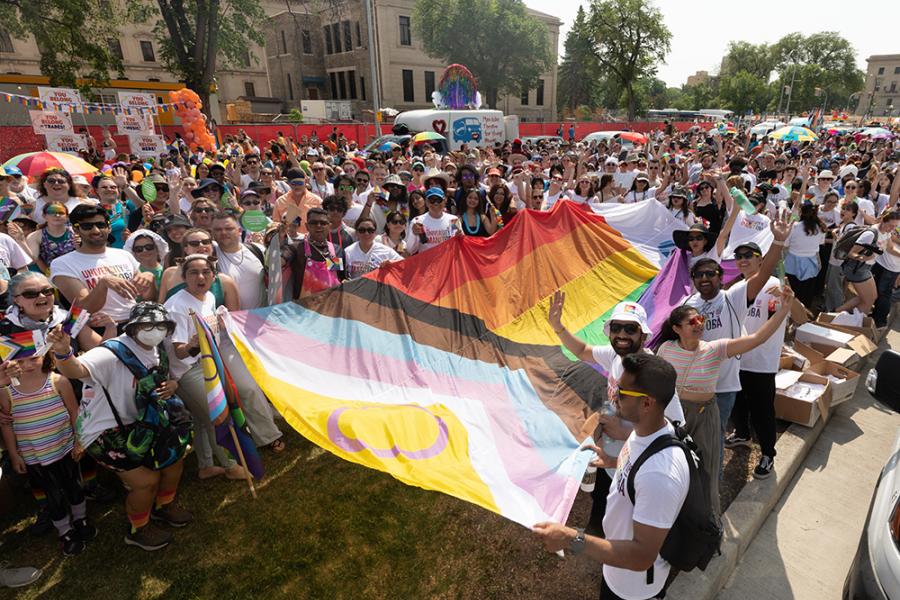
187	107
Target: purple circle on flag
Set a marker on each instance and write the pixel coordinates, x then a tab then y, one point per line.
355	445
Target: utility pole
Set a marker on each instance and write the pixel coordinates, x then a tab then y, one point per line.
791	90
376	87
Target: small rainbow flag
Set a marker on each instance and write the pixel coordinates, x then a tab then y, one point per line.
23	344
75	320
7	207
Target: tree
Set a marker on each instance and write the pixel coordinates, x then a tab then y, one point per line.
757	60
630	38
71	37
578	70
504	47
194	34
744	91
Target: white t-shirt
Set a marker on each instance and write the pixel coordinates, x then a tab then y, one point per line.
359	263
436	231
763	358
889	261
712	253
868	238
89	268
12	254
660	488
632	197
247	272
830	217
550	200
724	316
179	307
799	243
624	179
321	190
106	370
865	206
881	203
606	357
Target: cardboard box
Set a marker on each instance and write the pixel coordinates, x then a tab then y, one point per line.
804	412
867	329
836	343
840	392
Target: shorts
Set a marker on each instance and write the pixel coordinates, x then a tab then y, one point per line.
855	271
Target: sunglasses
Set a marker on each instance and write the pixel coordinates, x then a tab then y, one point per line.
198	243
57	211
630	393
397	222
628	328
318	170
33	294
144	248
706	274
252	162
57	181
696	321
250	203
365	230
297	182
345	188
162	188
434	200
361	180
695	238
92	226
745	255
204	209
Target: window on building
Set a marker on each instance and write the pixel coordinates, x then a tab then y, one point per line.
327	33
115	47
342	85
358	36
408	93
148	79
283	43
893	86
147	51
539	100
290	86
362	88
881	70
348	39
351	84
877	88
896	70
250	89
333	77
336	37
889	103
429	85
307	41
405	32
524	98
6	44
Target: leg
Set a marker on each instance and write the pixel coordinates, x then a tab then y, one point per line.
142	485
55	496
762	409
867	294
740	413
834	288
257	409
725	403
192	392
884	285
702	423
165	509
598	506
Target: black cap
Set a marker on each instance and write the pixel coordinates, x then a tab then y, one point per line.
750	246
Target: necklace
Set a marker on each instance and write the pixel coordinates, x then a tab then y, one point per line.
325	255
471	230
235	263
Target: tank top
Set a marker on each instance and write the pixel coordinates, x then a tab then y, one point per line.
41	423
216	288
53	247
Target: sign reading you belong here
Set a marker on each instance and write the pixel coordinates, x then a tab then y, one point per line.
60	99
66	142
138	101
134	123
147	145
45	122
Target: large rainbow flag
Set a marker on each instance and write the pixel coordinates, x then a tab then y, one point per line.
442	369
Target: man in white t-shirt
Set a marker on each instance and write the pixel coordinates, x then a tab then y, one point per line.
627	331
102	279
635	532
366	254
434	227
755	402
11	254
237	261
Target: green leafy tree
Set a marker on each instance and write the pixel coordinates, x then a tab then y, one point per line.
630	39
195	35
71	36
744	91
578	71
695	97
504	47
757	60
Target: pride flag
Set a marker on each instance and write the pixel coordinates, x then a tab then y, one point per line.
223	402
443	370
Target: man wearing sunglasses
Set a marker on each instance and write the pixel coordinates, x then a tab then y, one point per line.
296	202
627	330
100	278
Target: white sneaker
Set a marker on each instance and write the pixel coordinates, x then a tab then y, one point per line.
16	577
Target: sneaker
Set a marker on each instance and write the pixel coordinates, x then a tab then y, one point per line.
172	515
148	538
764	468
98	493
42	525
85	530
733	440
16	577
71	543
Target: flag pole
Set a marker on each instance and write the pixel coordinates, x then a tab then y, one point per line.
240	452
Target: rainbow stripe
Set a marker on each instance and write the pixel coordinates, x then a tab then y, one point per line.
442	369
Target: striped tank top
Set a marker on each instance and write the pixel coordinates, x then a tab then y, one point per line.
41	423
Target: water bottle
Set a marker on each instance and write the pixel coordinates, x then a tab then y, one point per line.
607	410
589	480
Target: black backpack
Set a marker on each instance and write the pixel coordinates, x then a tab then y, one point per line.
696	535
846	242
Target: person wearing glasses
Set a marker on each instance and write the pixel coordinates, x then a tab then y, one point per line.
627	330
223	288
367	254
53	239
436	226
317	264
299	200
319	184
339	234
150	250
252	171
55	185
699	241
202	211
99	277
394	235
697	363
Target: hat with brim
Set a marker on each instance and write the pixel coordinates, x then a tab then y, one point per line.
161	245
204	185
825	174
434	173
393	180
631	312
752	246
681	237
149	313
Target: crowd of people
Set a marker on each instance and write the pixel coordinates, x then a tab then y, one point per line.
142	246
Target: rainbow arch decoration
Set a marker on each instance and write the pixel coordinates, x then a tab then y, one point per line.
442	369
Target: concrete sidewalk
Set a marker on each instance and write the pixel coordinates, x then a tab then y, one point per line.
807	543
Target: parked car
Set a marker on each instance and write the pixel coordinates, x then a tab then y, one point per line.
766	127
606	136
875	572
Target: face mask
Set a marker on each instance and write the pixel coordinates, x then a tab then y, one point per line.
152	338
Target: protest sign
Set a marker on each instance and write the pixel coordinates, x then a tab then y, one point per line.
147	145
60	99
44	122
136	123
138	101
72	143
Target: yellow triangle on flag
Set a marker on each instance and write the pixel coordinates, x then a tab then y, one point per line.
8	348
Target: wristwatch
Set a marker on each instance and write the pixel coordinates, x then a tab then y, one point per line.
577	545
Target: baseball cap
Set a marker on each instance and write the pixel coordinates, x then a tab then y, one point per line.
494	172
750	246
629	311
435	191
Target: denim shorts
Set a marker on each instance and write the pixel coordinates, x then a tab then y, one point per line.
855	271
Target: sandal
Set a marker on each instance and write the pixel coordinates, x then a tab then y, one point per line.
277	446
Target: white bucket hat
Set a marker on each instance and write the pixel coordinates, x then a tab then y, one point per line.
629	311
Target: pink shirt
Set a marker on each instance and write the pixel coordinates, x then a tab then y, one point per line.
698	371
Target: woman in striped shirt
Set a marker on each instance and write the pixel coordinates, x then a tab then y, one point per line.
697	364
40	440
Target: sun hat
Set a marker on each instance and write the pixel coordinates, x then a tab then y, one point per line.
149	313
681	237
631	312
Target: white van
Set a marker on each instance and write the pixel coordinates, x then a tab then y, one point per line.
472	127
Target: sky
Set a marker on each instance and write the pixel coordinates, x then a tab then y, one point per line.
701	29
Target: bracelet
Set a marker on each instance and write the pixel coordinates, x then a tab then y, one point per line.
558	331
65	356
777	243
